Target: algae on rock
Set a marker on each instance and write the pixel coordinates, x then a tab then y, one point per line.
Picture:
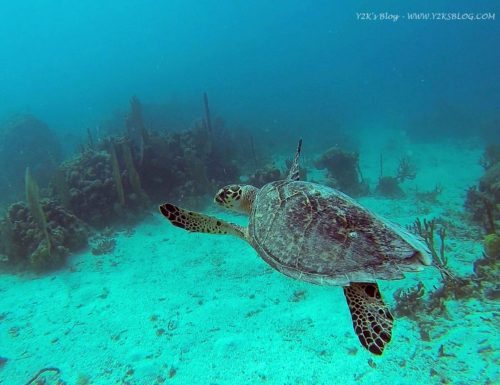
492	245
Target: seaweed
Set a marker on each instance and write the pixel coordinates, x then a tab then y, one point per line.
33	199
492	245
409	302
117	178
207	121
135	122
43	257
90	140
426	231
133	175
406	170
388	186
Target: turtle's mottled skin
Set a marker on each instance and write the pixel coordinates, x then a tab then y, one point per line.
320	235
317	234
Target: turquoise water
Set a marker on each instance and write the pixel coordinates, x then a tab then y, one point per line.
108	109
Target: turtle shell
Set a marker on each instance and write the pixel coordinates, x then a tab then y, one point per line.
318	234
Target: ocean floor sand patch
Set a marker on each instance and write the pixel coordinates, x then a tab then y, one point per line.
169	307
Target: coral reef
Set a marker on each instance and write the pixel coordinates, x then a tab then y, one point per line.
427	230
133	176
416	303
23	241
430	196
135	126
135	132
190	163
343	171
480	207
490	157
224	158
265	175
486	275
26	141
103	245
492	245
115	178
406	170
409	302
389	186
92	189
36	210
174	165
99	184
483	202
490	183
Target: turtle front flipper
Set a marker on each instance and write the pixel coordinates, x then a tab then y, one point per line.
199	223
371	318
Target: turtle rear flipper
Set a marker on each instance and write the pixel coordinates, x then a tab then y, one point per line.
371	318
199	223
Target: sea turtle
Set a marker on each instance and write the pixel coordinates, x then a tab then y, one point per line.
317	234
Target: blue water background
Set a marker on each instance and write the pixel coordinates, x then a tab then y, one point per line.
275	66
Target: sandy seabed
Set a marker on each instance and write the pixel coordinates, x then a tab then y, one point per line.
169	307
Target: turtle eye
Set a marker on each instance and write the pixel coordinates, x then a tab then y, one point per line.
234	188
235	192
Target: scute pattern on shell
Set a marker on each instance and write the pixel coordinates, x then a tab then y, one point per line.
318	234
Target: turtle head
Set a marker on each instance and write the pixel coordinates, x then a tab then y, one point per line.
236	197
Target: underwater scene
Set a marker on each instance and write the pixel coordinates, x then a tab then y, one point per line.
249	192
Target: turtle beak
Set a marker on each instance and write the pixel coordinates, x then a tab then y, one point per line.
220	197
